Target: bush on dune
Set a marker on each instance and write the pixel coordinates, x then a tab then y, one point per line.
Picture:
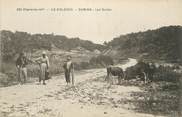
166	74
101	60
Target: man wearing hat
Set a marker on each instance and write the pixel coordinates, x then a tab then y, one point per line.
21	64
69	71
44	66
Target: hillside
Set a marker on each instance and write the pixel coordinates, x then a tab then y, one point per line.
85	54
160	44
14	42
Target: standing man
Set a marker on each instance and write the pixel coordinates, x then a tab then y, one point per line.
69	71
21	63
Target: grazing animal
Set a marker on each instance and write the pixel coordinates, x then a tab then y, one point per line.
115	71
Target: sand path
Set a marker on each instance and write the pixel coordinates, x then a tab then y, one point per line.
91	97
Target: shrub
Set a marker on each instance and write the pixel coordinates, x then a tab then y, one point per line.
166	74
101	60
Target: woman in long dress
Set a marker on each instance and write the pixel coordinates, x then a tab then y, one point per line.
44	66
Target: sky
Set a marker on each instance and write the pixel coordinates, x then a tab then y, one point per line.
121	17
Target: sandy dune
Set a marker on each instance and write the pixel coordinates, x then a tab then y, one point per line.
91	97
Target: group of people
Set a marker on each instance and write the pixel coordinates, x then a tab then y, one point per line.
44	65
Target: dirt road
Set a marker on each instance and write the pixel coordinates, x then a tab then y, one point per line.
91	97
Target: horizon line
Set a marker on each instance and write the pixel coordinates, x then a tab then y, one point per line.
56	34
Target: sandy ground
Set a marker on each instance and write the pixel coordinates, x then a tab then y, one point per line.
91	97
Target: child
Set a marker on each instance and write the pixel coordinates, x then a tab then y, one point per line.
69	70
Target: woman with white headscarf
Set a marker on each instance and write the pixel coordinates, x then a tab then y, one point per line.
44	66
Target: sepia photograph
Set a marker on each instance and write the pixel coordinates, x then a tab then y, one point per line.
90	58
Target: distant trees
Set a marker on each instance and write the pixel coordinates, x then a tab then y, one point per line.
102	60
95	62
12	43
105	43
163	43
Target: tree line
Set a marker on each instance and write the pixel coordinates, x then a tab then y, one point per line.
162	44
14	42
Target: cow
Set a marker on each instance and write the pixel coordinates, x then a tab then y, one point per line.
115	71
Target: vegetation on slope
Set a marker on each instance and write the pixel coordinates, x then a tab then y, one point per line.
13	43
162	44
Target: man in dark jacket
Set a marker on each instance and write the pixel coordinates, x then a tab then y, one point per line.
69	71
21	63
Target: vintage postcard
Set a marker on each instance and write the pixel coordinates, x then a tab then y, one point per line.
90	58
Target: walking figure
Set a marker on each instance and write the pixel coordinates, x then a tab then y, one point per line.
69	71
